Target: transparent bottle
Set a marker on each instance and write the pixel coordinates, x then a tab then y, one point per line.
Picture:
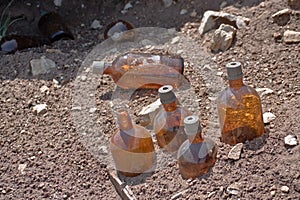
132	147
239	109
168	123
142	70
197	155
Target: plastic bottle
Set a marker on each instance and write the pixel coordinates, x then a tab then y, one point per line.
168	123
52	25
142	70
12	43
132	147
197	155
239	109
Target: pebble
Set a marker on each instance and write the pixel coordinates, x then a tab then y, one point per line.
128	6
183	12
236	151
268	117
44	89
220	73
290	140
175	40
291	36
285	189
193	14
167	3
40	108
83	78
273	193
92	110
223	37
96	24
22	167
76	108
233	189
57	2
41	66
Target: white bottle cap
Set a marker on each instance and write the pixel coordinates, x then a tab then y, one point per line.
166	94
234	70
98	67
192	125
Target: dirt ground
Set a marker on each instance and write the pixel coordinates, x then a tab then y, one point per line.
44	156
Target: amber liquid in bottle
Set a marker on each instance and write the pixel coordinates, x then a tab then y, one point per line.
132	147
240	113
148	71
196	156
168	125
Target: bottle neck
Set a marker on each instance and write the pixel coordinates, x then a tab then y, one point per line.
124	121
236	84
169	107
194	139
107	68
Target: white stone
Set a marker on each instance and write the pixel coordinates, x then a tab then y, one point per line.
57	2
76	108
150	108
268	117
183	12
223	37
92	110
41	66
128	6
282	17
175	40
167	3
236	151
285	189
290	140
234	189
193	14
44	89
211	20
264	91
21	168
83	78
220	73
40	108
96	24
291	36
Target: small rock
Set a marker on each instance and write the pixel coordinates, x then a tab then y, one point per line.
44	89
234	189
290	140
264	91
223	37
103	150
148	113
212	19
193	14
76	108
294	4
183	12
40	108
236	151
282	17
268	117
223	4
21	168
285	189
83	78
273	193
128	6
167	3
96	24
92	110
291	36
41	66
220	73
57	2
175	40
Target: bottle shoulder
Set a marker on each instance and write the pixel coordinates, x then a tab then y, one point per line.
229	94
